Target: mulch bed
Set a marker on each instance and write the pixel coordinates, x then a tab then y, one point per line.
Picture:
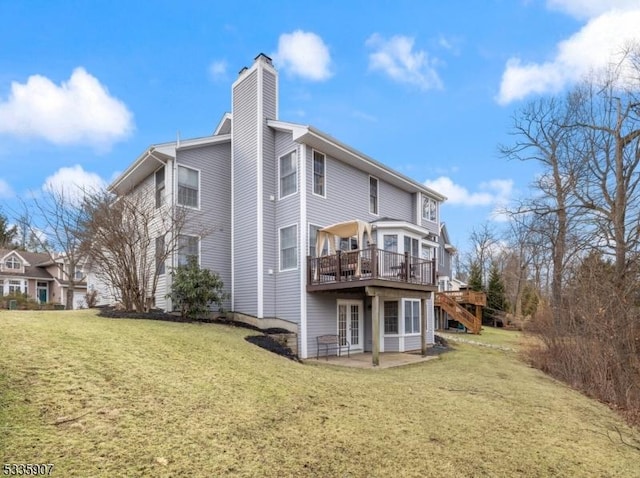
268	343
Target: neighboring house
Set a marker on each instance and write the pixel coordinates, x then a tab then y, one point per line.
446	252
308	233
40	277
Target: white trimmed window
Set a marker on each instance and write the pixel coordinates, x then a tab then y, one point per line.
188	247
160	253
13	263
288	174
391	317
373	195
159	177
289	248
429	209
15	287
319	162
188	187
411	317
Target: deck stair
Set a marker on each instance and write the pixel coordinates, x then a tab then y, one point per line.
456	311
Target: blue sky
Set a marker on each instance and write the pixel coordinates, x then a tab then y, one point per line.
428	88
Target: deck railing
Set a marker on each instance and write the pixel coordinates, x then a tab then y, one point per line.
467	296
370	263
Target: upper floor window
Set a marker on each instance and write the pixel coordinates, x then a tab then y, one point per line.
318	174
373	195
288	174
429	209
411	245
79	274
13	263
160	255
390	242
289	247
188	187
188	248
160	187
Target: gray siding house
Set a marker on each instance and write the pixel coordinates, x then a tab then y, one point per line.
283	202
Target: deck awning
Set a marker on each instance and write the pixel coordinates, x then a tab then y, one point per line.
355	227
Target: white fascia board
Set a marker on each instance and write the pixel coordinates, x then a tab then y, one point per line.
206	141
401	225
224	124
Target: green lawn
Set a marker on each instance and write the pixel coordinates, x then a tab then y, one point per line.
491	336
108	397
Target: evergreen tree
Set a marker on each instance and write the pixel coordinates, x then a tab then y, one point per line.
7	234
496	299
475	277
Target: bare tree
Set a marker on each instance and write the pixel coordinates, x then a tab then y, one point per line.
128	242
57	231
543	135
483	243
608	123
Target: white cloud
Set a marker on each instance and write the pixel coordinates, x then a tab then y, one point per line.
494	192
73	182
397	59
303	54
78	111
593	47
590	8
218	70
6	191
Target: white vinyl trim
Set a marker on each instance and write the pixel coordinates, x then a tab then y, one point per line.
304	231
259	192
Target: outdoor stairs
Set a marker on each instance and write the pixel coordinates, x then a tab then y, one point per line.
459	313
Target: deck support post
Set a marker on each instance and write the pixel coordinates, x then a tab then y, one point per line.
375	319
423	326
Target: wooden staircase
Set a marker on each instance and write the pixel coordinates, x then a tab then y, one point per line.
457	312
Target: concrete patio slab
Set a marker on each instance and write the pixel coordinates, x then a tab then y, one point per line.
364	360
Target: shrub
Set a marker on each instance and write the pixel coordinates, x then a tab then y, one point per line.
194	289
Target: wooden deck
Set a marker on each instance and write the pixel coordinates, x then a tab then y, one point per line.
369	267
453	303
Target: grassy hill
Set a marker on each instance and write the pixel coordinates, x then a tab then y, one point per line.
117	397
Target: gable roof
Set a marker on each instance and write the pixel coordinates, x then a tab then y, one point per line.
33	264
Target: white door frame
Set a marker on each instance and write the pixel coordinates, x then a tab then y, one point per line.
360	305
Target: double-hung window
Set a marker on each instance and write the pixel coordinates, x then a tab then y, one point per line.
373	195
188	248
289	248
160	187
391	317
319	161
288	174
188	187
15	287
411	316
429	209
160	255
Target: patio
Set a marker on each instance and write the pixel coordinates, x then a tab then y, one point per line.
387	359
